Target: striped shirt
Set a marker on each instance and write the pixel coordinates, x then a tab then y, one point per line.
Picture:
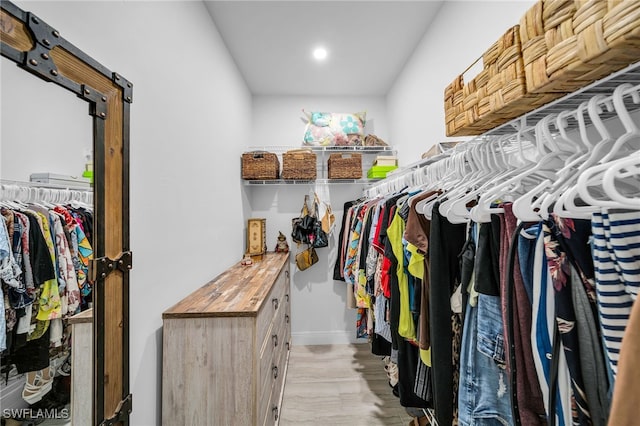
616	256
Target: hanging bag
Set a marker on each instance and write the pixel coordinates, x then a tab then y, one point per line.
302	227
319	238
306	258
325	213
328	219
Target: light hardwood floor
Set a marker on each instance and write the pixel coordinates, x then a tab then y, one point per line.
339	385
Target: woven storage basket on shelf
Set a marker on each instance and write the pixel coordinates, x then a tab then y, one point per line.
454	116
569	44
559	46
299	164
345	166
496	95
260	165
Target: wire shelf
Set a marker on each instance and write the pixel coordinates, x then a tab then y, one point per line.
605	86
279	149
274	182
32	184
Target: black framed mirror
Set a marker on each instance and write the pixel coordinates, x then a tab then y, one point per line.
40	49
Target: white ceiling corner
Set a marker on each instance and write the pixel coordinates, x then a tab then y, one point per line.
369	42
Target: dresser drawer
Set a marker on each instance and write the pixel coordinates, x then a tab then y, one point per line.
268	359
267	414
270	386
273	336
276	299
276	343
264	405
270	404
275	404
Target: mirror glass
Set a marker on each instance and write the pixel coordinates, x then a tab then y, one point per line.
45	130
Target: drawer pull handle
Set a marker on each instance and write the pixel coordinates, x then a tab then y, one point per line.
274	410
286	274
275	371
288	346
275	340
275	303
286	297
286	319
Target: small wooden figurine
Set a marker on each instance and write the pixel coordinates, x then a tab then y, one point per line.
282	246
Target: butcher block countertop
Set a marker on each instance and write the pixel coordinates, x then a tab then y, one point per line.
238	291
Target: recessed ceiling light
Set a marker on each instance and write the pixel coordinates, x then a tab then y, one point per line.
320	53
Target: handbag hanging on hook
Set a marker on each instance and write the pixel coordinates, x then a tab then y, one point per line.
319	238
302	226
306	258
307	229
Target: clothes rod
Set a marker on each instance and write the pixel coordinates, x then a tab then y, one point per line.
406	170
45	185
29	192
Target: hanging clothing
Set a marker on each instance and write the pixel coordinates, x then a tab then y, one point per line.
560	272
406	326
417	233
338	270
5	265
528	405
544	339
446	241
42	254
594	369
498	321
67	278
616	253
484	393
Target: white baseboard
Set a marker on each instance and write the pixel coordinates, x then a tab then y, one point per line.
306	338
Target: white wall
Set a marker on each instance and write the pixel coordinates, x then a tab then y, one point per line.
318	309
189	124
460	33
277	119
31	135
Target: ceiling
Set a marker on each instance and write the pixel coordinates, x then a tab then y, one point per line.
368	43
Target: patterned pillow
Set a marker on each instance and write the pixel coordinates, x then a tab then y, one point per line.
331	128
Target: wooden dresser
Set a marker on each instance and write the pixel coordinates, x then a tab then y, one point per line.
226	348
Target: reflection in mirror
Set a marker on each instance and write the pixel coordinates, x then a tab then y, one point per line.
46	240
44	128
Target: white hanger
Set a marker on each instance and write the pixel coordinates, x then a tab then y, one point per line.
44	195
623	169
458	211
7	196
456	208
529	174
77	200
567	174
633	133
436	176
592	177
432	180
451	174
524	208
12	195
565	205
472	158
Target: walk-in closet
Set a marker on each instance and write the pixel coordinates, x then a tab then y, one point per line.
319	212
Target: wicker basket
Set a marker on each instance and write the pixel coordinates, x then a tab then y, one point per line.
558	47
299	164
497	94
345	166
260	165
582	41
